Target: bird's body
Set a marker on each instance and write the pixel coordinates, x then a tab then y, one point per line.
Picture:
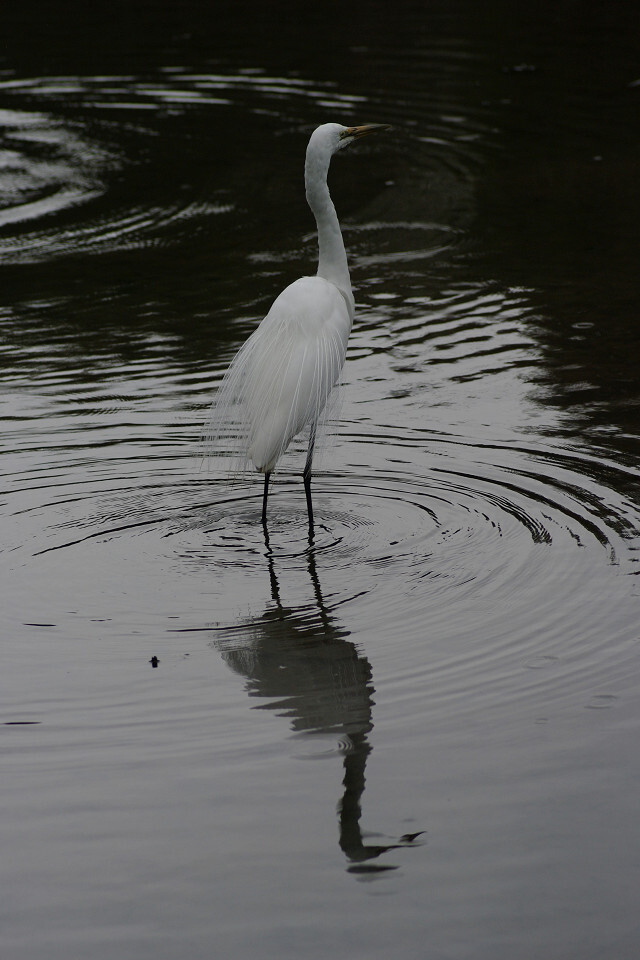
302	341
281	378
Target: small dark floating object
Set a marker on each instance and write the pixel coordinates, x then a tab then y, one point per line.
21	723
154	662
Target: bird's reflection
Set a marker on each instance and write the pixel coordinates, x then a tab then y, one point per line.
302	663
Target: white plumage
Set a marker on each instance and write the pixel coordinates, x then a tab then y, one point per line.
281	378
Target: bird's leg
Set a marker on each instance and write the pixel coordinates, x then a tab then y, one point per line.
306	477
264	497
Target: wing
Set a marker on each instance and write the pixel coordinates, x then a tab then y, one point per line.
280	379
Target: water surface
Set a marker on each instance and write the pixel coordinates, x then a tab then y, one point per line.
457	648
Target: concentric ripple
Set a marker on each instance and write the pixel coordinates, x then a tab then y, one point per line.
535	546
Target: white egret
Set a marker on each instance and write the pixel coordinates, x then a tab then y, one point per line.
281	378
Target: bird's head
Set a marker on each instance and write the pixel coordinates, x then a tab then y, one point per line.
330	137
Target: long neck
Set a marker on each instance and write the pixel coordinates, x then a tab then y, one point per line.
332	263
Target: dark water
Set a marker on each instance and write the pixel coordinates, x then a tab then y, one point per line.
458	649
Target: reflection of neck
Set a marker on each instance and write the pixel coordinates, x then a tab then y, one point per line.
350	811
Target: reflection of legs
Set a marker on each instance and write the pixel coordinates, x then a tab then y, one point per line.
313	573
264	497
275	586
306	477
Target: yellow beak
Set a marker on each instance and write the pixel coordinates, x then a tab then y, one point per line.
365	130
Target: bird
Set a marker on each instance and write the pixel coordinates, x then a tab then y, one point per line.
279	381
